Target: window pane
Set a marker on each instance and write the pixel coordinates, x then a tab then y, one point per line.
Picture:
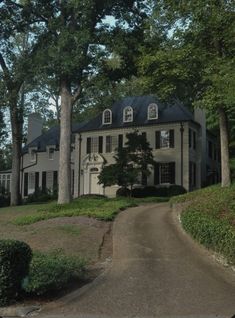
165	173
164	139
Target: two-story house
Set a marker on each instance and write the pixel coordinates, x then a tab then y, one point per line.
178	137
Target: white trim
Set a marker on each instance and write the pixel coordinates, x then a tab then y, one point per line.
127	108
103	117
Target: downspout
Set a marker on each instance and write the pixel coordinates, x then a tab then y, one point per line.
182	153
79	164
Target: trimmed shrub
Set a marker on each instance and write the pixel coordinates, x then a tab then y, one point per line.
52	272
123	192
175	189
93	196
138	193
40	196
4	200
15	257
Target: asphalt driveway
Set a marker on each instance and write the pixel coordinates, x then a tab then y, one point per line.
157	271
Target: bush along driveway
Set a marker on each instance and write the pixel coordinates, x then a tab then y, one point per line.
209	217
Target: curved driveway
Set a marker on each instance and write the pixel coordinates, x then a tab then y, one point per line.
157	271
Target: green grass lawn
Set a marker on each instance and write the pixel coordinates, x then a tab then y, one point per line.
210	218
100	208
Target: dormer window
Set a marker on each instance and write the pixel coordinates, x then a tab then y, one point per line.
32	154
107	117
128	114
51	152
152	111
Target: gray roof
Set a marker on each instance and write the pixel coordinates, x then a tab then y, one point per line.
168	112
50	138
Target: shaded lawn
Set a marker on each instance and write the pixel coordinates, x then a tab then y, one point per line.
100	208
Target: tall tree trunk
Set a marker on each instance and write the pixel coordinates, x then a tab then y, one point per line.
224	144
65	144
16	127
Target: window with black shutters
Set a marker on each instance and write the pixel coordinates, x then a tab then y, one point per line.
112	143
165	139
164	173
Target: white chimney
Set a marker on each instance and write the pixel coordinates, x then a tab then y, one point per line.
35	123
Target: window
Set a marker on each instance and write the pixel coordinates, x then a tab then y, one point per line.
164	173
165	139
31	182
49	179
111	143
32	154
128	114
210	149
192	174
107	117
192	136
152	111
95	144
51	153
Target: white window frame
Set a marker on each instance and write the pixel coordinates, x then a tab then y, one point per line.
104	118
168	141
125	110
149	110
33	154
53	153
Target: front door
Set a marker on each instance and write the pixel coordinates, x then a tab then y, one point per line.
95	187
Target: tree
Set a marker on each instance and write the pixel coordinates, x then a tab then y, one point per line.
196	61
132	161
70	40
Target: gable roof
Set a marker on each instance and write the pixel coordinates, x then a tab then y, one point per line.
168	112
49	138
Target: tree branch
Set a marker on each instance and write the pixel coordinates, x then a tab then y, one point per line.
76	94
4	67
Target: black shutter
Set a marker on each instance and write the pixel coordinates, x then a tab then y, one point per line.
194	140
195	175
26	175
88	145
120	141
172	172
44	180
172	138
100	144
157	173
55	180
190	138
36	181
157	141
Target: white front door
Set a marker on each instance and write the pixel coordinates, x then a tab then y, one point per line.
95	187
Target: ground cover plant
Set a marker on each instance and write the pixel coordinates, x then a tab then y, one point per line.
210	218
100	208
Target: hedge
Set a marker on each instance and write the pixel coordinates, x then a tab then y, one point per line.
15	257
52	272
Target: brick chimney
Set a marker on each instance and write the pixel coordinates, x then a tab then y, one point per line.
35	123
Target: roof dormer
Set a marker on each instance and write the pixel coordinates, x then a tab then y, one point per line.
107	117
128	114
152	111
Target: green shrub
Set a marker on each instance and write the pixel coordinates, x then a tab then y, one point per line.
15	257
40	196
123	192
4	200
176	190
213	233
52	272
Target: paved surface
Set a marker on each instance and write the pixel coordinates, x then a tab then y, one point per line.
157	271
